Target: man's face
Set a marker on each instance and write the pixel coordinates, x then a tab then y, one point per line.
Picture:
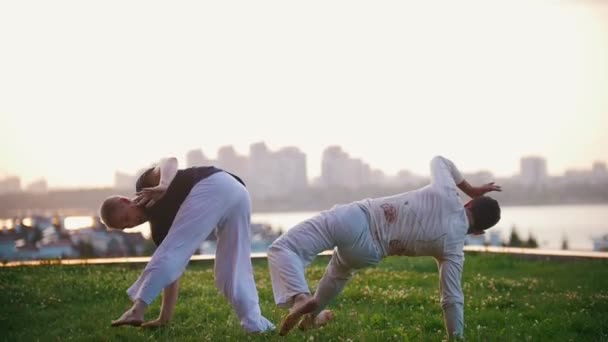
128	215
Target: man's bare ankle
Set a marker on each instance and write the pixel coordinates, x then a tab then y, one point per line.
139	307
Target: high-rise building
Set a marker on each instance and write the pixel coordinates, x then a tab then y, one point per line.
261	170
290	172
229	160
196	158
334	168
377	177
10	185
533	171
407	178
273	174
38	186
339	169
599	172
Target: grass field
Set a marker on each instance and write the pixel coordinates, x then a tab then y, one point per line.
507	299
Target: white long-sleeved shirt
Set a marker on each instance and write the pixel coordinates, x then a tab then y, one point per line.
430	221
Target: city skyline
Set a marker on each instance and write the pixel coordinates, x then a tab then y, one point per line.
394	84
530	169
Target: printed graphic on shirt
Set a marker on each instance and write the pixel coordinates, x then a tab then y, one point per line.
390	213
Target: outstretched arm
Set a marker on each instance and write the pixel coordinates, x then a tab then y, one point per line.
476	191
445	173
167	307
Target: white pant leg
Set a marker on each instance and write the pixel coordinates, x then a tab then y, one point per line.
289	255
233	270
196	218
286	275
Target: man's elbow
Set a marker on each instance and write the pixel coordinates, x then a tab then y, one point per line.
439	160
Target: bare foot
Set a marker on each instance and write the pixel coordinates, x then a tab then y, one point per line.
130	317
299	309
157	323
310	322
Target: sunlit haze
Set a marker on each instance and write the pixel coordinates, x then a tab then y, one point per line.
88	88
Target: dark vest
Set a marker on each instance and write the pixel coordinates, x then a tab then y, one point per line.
162	213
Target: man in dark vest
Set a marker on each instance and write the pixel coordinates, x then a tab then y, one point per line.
183	207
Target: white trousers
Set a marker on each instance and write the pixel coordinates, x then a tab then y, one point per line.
221	202
345	228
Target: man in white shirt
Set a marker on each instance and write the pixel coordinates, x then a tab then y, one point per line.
430	221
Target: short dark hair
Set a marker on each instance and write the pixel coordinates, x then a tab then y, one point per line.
106	210
486	212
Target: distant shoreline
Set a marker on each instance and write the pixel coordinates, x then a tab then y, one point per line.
92	212
87	201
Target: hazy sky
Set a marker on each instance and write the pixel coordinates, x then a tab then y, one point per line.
87	88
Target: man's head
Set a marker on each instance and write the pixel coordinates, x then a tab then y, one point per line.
483	213
119	212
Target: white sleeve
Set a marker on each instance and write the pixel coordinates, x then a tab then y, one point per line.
452	298
444	173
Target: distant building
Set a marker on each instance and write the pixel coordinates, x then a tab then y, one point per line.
407	178
362	173
533	171
8	247
38	187
261	171
109	242
290	170
197	158
57	249
576	177
273	174
10	185
494	238
599	173
134	242
333	167
600	244
229	160
377	177
338	169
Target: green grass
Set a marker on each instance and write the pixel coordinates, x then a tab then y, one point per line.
507	299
